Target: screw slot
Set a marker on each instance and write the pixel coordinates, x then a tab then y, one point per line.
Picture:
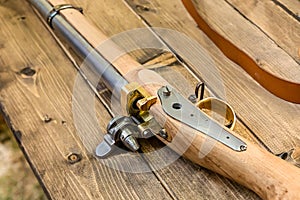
167	91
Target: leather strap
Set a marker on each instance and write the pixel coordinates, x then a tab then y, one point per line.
284	89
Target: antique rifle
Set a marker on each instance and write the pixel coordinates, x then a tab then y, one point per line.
158	109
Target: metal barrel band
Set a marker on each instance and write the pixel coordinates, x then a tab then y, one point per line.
56	9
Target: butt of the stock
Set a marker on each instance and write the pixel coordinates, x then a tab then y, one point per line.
266	174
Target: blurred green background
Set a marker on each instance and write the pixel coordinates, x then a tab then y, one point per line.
17	181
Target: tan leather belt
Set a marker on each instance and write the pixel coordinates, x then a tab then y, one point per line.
284	89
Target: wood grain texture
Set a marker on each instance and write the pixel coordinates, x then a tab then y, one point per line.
256	107
181	179
284	89
259	188
277	24
105	14
187	184
269	181
228	22
36	98
221	189
168	67
56	188
290	6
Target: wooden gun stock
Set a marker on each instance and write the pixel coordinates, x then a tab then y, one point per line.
257	169
267	175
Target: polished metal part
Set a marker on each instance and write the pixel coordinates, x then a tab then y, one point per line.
163	133
56	9
126	130
114	81
167	91
177	107
108	74
198	95
200	86
120	129
213	105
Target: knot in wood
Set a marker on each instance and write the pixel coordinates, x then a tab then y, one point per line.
74	158
28	71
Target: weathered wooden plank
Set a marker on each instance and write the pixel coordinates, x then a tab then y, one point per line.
201	184
111	23
291	6
280	26
228	22
36	98
189	181
189	189
98	16
177	176
188	185
257	108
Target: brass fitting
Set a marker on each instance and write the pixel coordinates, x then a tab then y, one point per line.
136	99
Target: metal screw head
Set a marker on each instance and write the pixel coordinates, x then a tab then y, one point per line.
167	91
163	133
147	133
243	148
47	119
193	98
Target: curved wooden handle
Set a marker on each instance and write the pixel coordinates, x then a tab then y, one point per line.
267	175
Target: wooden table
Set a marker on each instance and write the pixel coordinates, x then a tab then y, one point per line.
37	80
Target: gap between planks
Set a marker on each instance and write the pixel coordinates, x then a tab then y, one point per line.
256	94
292	7
192	72
273	22
104	100
40	108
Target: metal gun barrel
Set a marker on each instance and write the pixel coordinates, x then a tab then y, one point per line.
111	78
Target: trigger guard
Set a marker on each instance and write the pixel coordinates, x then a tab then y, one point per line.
217	105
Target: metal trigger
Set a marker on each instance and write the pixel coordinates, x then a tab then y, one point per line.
212	106
177	107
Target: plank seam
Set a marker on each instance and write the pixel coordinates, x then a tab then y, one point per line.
286	9
249	20
161	180
17	135
255	135
104	103
198	78
75	64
